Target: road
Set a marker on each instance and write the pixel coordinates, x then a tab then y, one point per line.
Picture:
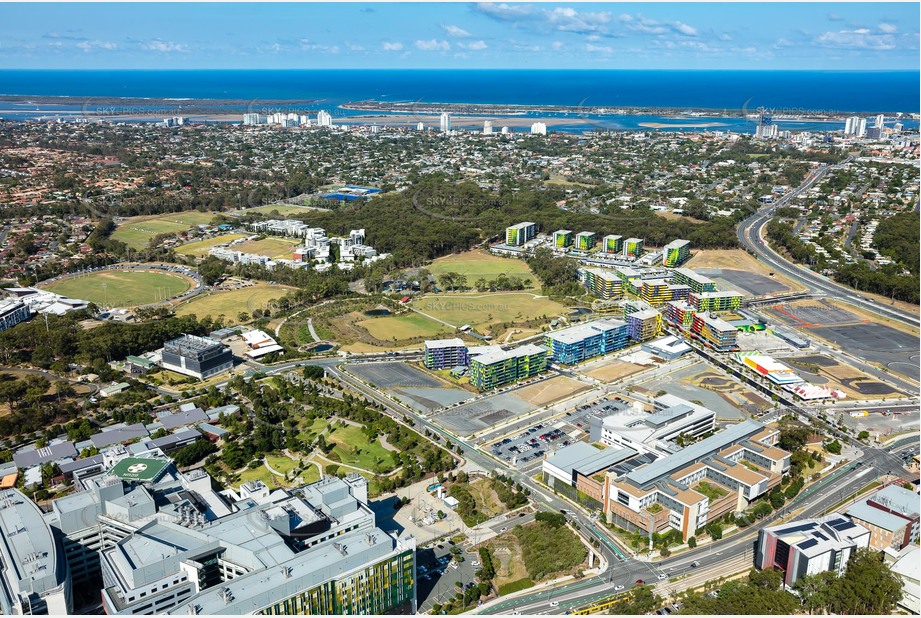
751	235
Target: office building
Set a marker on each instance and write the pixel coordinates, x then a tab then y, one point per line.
891	515
907	565
495	366
697	283
701	483
577	471
585	241
714	332
445	354
562	239
668	348
715	301
855	126
583	341
199	357
604	284
12	312
633	247
676	253
538	128
809	547
164	542
445	122
612	243
34	571
324	119
521	233
644	324
656	432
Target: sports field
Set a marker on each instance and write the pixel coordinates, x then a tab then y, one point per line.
270	246
136	232
230	303
489	308
200	248
403	327
283	209
477	264
122	288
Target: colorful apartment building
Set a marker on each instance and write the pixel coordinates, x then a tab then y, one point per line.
633	247
697	283
612	243
714	332
585	241
445	354
495	366
715	301
518	235
644	325
604	284
676	253
562	239
657	292
581	342
680	313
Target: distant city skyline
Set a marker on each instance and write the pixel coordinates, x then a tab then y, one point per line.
823	36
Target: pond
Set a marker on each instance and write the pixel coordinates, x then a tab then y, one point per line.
375	313
323	347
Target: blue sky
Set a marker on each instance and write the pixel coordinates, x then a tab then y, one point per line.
461	35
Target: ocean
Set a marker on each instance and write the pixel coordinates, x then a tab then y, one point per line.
799	93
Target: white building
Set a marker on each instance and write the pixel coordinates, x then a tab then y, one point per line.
324	119
445	123
487	127
538	128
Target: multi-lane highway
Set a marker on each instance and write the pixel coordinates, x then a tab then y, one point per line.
751	235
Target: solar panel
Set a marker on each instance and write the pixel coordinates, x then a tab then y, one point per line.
808	543
843	525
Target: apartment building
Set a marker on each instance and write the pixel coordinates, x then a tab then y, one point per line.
562	239
715	301
445	354
604	284
676	253
495	366
714	332
583	341
517	235
612	243
697	283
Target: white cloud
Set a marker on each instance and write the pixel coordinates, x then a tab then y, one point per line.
506	12
887	28
861	38
307	45
356	48
557	45
604	49
433	45
570	20
395	46
91	45
474	45
783	43
160	45
645	25
454	31
725	37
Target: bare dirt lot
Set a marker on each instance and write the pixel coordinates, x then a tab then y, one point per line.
614	370
737	259
549	391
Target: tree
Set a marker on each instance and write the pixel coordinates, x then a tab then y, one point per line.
815	590
868	586
833	447
692	542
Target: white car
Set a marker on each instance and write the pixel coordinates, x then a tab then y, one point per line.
503	529
554	603
475	563
663	576
620	587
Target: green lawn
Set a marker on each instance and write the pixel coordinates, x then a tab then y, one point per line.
262	474
353	448
136	232
405	326
281	463
488	308
115	288
710	491
272	246
310	430
477	264
200	248
230	303
311	474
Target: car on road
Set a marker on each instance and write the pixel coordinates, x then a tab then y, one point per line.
640	582
695	564
618	587
554	603
503	529
662	576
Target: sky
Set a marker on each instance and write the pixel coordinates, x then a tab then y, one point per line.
842	36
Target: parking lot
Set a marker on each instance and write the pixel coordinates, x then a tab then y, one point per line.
530	444
438	571
389	375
